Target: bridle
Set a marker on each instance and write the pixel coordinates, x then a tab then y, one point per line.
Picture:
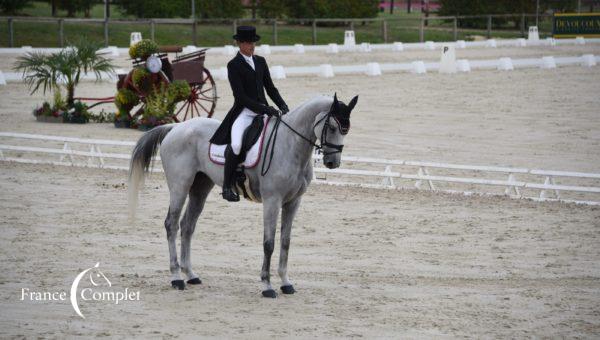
323	140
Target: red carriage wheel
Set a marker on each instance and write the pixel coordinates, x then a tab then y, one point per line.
201	102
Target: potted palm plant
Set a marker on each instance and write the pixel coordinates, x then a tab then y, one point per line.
66	67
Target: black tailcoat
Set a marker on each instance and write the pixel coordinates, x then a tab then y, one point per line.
248	88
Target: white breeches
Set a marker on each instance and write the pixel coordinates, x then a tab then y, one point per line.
239	126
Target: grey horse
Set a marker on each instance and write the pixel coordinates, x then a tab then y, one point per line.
190	173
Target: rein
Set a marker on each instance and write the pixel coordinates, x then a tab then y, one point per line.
273	137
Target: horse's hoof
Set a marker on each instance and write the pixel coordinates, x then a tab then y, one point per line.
269	293
178	284
194	281
288	289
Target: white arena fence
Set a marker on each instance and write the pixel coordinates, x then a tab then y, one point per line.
535	184
264	49
377	69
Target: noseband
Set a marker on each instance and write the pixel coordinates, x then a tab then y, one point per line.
323	139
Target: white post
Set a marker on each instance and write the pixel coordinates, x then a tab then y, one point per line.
448	59
510	188
389	180
100	156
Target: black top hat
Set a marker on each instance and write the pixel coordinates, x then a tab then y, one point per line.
246	33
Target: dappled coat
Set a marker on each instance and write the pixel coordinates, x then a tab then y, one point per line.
248	88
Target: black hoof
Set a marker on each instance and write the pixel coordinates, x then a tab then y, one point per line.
288	289
194	281
269	293
178	284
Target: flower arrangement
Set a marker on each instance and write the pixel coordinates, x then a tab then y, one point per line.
51	112
62	69
78	114
142	79
180	90
160	105
126	99
143	49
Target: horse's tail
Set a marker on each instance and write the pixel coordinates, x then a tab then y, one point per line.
141	159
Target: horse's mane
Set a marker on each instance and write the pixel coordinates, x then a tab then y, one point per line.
320	102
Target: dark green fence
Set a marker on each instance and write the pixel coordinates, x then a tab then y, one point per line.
49	32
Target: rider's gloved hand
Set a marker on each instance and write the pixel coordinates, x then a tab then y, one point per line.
284	109
271	111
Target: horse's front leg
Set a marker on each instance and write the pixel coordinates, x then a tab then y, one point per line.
287	217
271	208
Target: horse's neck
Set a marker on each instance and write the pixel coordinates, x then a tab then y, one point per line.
302	120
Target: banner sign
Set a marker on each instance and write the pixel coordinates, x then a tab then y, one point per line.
571	25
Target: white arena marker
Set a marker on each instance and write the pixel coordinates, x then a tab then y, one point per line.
333	48
228	50
521	42
2	79
505	64
551	41
221	73
299	48
491	43
461	44
580	41
349	39
265	49
548	62
326	71
463	65
189	49
430	45
398	46
533	34
365	47
278	72
373	69
418	67
588	60
448	59
134	38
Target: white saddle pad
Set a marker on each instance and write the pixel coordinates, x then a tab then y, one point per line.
216	153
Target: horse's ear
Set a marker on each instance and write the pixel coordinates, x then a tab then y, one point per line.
335	100
352	103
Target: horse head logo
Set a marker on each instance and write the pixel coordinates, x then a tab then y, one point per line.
96	278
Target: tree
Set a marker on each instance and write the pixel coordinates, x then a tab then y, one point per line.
66	66
332	8
272	8
13	6
221	9
74	6
156	8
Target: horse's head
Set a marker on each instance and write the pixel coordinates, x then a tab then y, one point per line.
97	277
331	127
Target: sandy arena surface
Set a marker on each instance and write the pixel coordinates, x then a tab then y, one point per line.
370	263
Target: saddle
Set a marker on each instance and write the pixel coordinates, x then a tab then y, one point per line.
252	146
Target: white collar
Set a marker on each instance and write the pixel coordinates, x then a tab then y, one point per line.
246	57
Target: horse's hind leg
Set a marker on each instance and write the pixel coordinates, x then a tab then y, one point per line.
287	217
197	196
172	226
178	190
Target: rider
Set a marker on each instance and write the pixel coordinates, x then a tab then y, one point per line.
248	76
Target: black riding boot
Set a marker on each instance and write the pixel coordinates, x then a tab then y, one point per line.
231	162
